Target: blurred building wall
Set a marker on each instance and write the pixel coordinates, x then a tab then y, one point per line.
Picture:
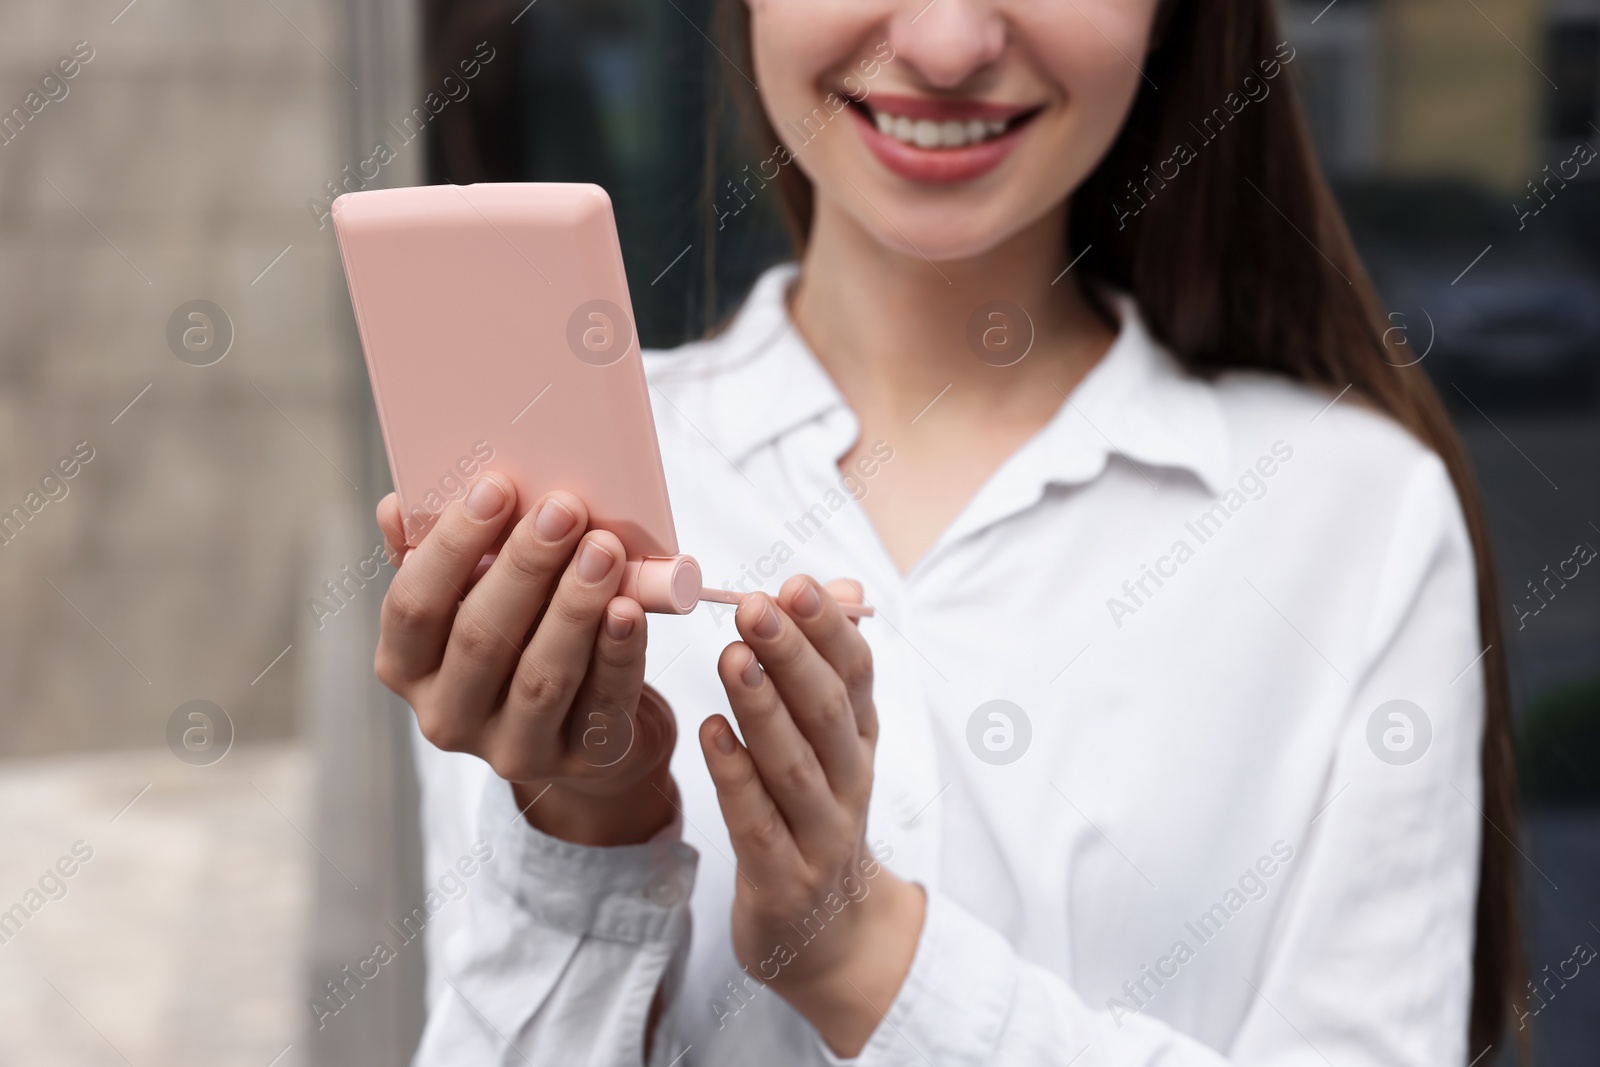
180	562
174	169
1425	88
1466	88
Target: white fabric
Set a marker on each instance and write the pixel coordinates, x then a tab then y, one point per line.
1199	770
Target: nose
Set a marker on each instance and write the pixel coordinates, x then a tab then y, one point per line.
947	41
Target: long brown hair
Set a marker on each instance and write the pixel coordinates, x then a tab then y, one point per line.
1246	262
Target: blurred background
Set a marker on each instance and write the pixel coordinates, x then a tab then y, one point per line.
189	723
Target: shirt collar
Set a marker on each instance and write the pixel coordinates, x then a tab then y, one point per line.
758	381
1137	403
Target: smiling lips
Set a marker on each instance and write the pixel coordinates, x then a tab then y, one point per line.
925	140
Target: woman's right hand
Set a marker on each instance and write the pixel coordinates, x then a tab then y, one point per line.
537	667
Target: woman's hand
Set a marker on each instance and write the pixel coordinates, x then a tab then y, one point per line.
815	916
537	667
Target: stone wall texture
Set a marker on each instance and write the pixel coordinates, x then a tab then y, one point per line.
215	485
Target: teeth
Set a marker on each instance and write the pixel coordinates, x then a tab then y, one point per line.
926	133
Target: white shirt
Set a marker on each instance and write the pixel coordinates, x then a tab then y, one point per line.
1183	849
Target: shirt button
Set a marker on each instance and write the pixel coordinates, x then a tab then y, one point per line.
665	890
905	809
919	810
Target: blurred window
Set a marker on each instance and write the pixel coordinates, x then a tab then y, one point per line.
1573	47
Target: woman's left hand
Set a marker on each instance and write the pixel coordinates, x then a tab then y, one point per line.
816	917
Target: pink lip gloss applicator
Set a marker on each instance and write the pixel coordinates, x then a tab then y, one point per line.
671	585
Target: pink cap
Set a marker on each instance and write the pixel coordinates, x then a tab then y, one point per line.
666	585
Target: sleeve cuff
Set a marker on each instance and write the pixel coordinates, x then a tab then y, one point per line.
634	893
955	1000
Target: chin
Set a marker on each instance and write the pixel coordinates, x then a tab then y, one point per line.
946	240
945	227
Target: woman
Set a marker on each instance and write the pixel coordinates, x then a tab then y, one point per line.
1175	733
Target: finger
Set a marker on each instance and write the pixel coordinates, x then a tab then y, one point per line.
557	657
491	628
837	638
603	732
847	591
393	527
608	732
479	571
422	600
788	765
767	851
809	688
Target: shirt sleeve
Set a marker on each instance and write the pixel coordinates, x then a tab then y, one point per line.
564	949
1370	960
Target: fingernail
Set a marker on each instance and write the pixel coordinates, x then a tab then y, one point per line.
751	675
806	602
486	499
768	625
554	521
594	562
724	740
618	627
